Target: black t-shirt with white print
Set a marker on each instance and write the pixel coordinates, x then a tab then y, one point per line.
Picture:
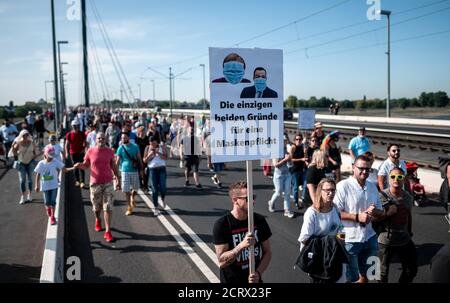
231	231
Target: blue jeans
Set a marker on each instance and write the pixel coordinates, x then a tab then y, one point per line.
26	175
297	179
358	253
157	181
282	183
50	197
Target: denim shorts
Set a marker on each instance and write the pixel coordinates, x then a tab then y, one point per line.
358	253
50	197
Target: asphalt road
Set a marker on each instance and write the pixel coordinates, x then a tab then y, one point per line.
145	252
22	232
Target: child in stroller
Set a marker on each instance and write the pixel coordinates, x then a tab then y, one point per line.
415	188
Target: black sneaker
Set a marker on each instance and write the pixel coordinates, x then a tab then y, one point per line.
186	183
198	186
219	185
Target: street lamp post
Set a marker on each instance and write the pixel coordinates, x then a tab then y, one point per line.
388	53
60	105
204	87
153	81
47	81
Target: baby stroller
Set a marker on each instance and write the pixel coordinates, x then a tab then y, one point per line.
415	188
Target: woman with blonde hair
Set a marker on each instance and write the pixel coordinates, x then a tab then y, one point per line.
26	152
322	218
317	170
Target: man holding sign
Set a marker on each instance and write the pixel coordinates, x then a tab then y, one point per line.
245	129
231	240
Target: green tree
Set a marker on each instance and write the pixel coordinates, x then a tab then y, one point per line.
291	102
440	99
361	104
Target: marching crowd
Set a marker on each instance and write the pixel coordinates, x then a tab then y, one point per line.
366	215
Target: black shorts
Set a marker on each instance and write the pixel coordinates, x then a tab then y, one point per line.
191	162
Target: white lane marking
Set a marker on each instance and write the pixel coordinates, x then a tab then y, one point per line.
212	278
206	249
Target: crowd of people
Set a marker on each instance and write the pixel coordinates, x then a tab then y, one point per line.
362	217
127	152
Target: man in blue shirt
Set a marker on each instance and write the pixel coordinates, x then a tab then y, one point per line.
359	144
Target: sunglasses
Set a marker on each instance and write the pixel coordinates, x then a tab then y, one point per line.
246	198
367	169
397	177
298	139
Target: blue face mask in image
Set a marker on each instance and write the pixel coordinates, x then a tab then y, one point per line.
233	71
260	84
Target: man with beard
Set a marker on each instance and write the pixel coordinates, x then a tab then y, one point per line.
231	240
393	160
100	159
359	204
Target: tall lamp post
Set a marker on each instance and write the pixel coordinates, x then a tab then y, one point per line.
47	81
388	53
153	81
62	102
60	105
204	86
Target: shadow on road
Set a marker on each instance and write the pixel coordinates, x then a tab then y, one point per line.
16	273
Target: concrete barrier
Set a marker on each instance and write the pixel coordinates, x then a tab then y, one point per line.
52	270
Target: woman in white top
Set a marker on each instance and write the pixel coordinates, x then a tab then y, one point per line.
155	156
26	152
322	217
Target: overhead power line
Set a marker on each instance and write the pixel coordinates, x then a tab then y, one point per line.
365	32
293	22
377	44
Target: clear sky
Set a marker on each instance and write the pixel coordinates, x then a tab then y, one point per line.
326	52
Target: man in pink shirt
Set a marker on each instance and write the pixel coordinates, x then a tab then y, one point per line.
100	159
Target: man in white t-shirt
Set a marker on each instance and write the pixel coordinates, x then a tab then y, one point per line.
393	160
359	204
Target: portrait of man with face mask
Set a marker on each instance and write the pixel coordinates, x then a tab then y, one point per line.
233	70
259	89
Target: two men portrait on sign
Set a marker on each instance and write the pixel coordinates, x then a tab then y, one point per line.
234	70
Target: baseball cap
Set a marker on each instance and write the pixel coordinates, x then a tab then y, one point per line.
49	151
362	128
75	122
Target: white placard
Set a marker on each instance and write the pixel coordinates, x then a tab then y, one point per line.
246	104
306	119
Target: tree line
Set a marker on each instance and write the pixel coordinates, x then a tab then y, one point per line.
433	99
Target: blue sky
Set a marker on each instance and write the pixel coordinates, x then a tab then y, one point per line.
160	34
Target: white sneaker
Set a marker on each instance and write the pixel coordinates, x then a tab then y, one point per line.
162	204
214	180
289	214
29	199
157	212
22	200
271	206
300	188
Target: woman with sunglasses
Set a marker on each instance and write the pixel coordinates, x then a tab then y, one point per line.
396	239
